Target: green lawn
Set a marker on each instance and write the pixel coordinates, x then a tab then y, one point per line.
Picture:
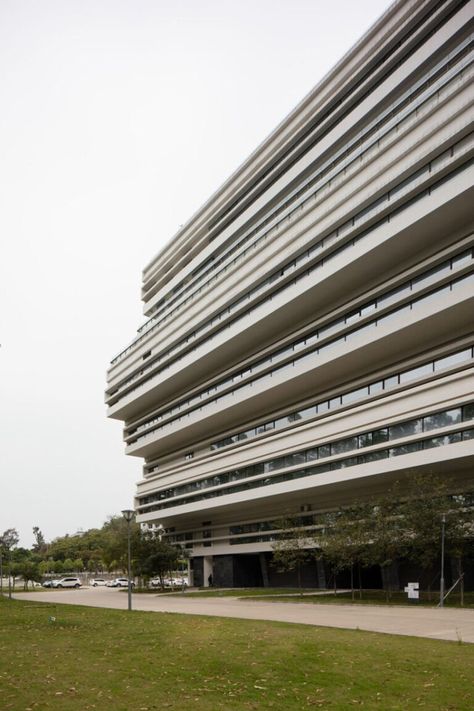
90	658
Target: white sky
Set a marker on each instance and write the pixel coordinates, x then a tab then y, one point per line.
118	119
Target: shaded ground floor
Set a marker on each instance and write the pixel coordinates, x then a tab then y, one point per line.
258	570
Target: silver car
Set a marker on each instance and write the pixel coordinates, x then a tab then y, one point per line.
67	583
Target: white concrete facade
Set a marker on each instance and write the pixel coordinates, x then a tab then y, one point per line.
310	330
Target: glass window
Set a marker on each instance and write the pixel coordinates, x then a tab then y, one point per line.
419	372
295	458
452	360
300	344
312	339
405	429
393	296
374	456
308	412
323	407
349	462
344	445
324	451
355	395
468	434
380	435
461	260
391	382
442	419
365	440
311	454
334	402
352	318
441	441
431	276
433	297
368	308
468	411
405	449
331	328
376	387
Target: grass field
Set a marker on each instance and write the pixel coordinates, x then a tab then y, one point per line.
89	658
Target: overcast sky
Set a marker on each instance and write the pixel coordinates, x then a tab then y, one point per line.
118	119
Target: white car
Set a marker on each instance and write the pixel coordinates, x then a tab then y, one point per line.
118	583
67	583
95	582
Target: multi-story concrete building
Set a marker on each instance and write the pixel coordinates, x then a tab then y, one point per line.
310	330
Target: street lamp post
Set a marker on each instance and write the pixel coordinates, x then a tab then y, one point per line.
128	515
441	583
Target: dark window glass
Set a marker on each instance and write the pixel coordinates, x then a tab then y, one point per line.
380	435
324	451
374	456
405	429
468	434
365	440
442	441
344	445
296	458
349	462
468	411
442	419
405	449
311	454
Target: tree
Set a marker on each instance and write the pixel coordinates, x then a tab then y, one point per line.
294	546
387	535
153	557
39	545
345	541
28	571
8	540
68	565
115	532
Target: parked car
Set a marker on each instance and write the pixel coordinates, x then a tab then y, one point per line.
67	583
49	583
169	582
118	583
95	582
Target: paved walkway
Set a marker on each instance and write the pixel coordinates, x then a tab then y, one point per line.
434	623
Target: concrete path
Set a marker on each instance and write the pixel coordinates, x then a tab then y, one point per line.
434	623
